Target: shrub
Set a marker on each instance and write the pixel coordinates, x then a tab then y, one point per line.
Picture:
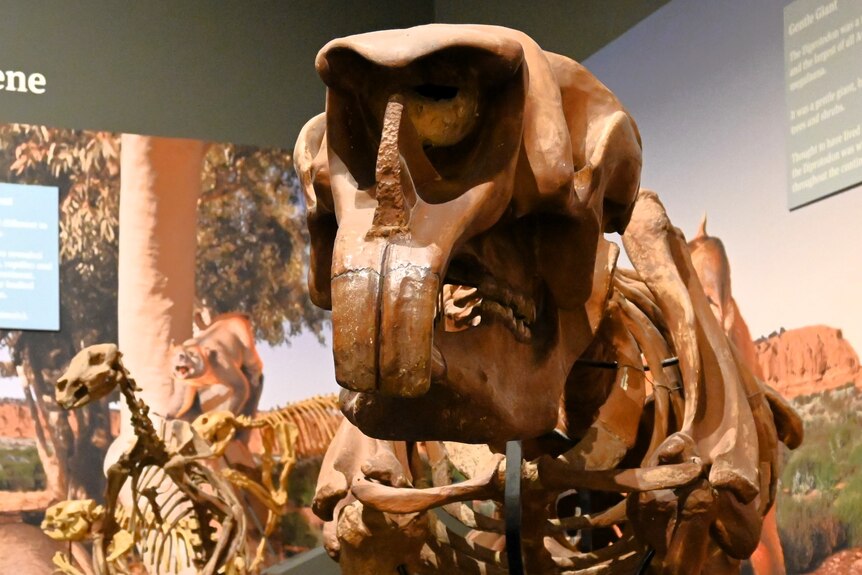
20	469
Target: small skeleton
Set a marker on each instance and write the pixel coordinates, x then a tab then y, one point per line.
317	418
184	517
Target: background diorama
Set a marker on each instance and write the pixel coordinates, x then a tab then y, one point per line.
251	256
704	81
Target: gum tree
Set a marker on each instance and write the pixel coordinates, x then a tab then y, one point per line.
249	257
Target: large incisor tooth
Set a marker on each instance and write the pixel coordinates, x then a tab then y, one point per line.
355	329
408	300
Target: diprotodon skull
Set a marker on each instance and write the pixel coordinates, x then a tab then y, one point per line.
92	374
458	186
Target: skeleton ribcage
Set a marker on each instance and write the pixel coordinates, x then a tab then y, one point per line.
317	419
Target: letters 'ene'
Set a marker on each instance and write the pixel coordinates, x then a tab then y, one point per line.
16	81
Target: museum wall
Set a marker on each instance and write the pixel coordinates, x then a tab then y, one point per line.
706	83
224	71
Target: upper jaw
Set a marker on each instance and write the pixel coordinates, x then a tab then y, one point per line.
472	296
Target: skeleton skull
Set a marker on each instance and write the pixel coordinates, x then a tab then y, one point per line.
72	520
217	428
92	374
458	186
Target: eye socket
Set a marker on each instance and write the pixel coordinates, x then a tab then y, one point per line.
61	384
436	92
97	358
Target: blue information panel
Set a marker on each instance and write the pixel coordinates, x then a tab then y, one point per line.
29	256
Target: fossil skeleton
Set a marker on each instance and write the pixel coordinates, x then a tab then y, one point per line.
184	517
302	429
458	188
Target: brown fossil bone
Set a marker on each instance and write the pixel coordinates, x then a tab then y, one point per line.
458	188
460	156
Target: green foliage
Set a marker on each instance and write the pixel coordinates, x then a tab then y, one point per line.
251	234
85	167
252	241
821	509
297	535
809	531
848	508
303	482
20	469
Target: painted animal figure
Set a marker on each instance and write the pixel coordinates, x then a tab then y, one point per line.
220	366
709	257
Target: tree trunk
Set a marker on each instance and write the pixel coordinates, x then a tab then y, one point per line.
47	443
160	182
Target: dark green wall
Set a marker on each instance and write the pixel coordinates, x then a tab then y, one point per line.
231	70
223	70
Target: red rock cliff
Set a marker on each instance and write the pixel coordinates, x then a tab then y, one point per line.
15	420
808	360
16	423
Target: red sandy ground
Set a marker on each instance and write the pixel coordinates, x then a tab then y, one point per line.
15	501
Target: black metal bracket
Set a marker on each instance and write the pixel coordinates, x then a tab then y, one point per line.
512	506
615	365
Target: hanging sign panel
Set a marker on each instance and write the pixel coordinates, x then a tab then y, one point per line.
823	86
29	257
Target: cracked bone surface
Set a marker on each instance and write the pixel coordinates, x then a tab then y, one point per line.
451	166
458	189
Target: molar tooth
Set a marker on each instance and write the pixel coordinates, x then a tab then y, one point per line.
522	332
449	308
494	308
490	287
462	294
521	305
506	296
531	312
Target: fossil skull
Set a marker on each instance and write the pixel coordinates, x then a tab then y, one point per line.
458	186
92	374
217	428
72	520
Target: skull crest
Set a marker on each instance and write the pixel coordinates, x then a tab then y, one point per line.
458	186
